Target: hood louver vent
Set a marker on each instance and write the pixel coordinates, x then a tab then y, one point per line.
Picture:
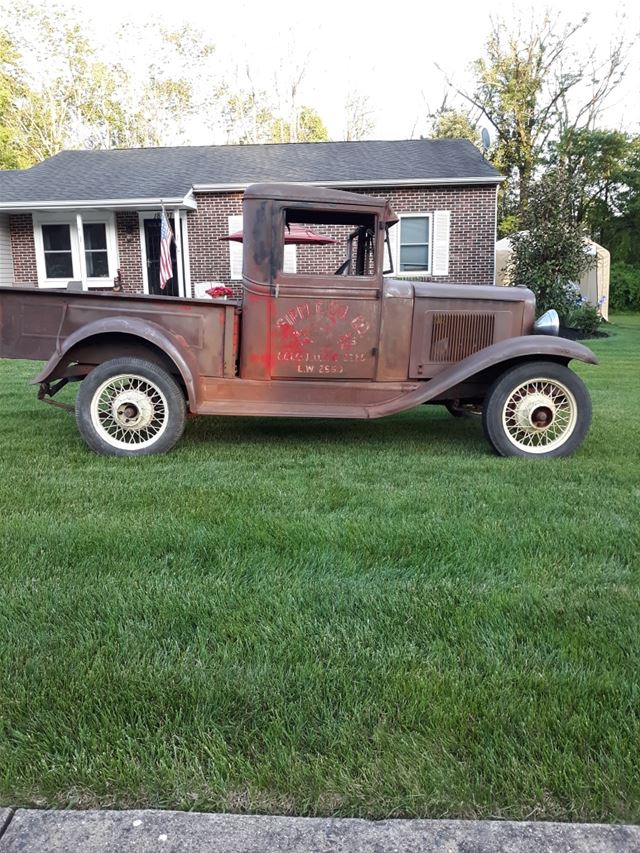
456	336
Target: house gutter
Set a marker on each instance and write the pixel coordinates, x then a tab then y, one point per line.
388	182
187	202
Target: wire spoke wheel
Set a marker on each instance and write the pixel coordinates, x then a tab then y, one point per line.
129	411
130	407
540	415
537	409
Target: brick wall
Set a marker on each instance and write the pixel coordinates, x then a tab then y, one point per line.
130	257
472	238
23	249
473	226
209	258
128	236
323	259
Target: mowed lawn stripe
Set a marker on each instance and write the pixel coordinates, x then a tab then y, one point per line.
323	617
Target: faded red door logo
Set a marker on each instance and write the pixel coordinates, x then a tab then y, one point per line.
321	337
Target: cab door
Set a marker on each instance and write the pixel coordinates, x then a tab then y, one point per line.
325	317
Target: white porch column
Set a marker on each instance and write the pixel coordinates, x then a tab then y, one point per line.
178	238
188	290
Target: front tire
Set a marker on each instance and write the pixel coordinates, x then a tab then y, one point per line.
539	409
130	407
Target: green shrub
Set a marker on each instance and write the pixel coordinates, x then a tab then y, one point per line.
550	253
624	288
582	315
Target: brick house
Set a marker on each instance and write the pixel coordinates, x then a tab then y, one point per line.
92	216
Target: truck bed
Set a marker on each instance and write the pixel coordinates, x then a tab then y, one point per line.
34	324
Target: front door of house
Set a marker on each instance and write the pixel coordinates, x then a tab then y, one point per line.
152	249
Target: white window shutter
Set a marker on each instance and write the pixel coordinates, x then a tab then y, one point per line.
441	232
235	249
290	261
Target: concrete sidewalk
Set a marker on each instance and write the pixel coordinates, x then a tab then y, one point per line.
33	831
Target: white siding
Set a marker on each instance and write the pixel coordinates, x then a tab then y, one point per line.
6	258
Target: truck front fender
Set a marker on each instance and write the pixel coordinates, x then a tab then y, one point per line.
143	330
525	347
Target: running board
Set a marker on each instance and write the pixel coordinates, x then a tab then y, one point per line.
252	408
299	398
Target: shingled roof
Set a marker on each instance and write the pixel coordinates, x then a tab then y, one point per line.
146	175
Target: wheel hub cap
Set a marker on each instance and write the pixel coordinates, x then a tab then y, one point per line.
132	410
535	411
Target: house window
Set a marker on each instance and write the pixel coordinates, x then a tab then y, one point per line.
96	252
75	246
414	243
58	257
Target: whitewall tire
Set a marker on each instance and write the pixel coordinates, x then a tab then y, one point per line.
130	407
538	409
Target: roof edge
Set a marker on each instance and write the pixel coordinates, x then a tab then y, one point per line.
187	201
391	182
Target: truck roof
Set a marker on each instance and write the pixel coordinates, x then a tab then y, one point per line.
308	194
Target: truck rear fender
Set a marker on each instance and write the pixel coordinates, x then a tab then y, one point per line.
524	348
142	331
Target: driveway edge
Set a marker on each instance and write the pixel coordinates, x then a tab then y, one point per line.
192	832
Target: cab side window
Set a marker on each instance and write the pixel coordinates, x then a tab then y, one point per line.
331	243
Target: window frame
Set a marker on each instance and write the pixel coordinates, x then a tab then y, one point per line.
428	215
71	251
104	250
76	220
298	277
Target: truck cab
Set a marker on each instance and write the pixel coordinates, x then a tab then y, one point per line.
323	323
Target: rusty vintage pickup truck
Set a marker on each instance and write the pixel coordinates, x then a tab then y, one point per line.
341	340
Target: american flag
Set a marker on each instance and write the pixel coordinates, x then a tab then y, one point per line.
166	236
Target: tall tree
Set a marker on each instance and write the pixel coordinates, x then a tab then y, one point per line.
248	118
605	165
77	97
358	117
12	90
311	128
455	124
250	114
533	87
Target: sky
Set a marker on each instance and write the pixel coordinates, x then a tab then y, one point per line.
388	51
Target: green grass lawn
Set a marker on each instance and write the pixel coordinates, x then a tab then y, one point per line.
323	617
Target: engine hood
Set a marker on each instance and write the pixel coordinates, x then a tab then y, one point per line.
520	302
493	293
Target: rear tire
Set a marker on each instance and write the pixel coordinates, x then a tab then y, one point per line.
539	410
130	407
